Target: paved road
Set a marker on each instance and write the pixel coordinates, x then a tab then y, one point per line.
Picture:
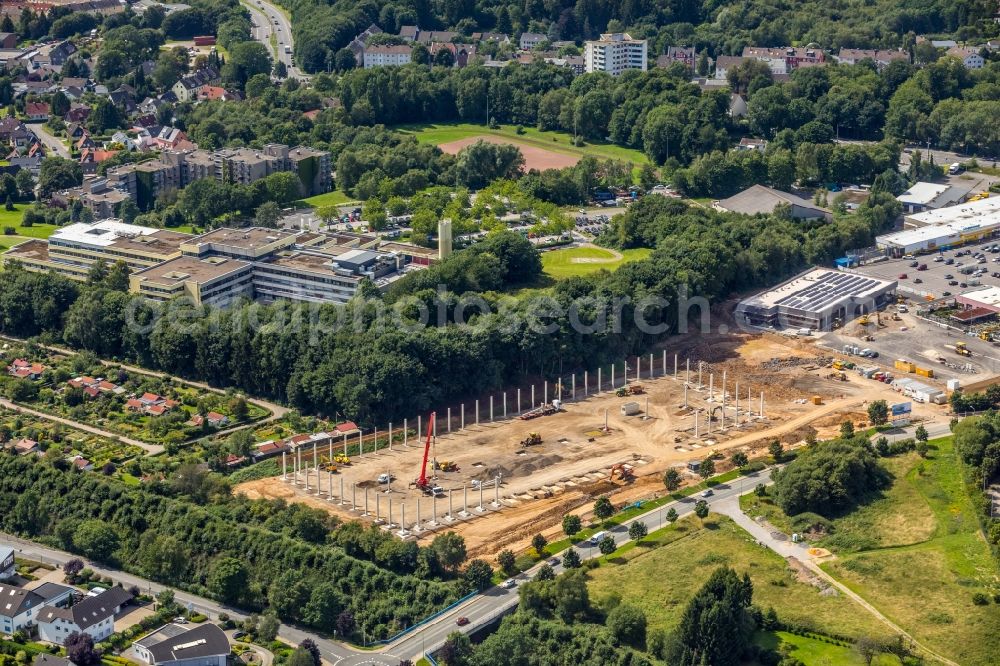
934	430
270	20
150	449
52	144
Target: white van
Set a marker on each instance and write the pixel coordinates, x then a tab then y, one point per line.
596	539
955	168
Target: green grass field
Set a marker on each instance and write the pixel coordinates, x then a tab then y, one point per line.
335	198
12	218
561	264
661	577
559	142
917	555
814	652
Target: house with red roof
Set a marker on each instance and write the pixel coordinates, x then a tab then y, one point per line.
25	369
150	403
347	428
214	420
36	111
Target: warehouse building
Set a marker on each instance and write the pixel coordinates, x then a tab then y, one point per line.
987	299
816	299
931	196
944	228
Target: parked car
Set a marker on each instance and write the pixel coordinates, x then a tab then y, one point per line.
509	583
462	621
901	276
917	281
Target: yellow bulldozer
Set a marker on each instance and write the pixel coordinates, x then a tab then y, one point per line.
341	459
532	439
962	349
445	466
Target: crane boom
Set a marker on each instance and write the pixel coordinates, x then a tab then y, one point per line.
422	481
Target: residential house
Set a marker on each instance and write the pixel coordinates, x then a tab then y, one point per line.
78	82
409	32
55	594
725	63
25	446
461	53
151	403
969	56
18	608
214	420
217	92
123	97
269	449
82	464
36	111
8	40
85	141
78	113
498	37
737	106
187	88
174	645
25	369
95	387
529	40
682	54
46	659
15	134
53	55
785	59
748	143
346	428
75	130
7	566
91	157
168	138
880	57
428	37
93	615
95	194
359	43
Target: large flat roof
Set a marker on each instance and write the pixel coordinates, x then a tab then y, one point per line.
967	212
923	193
946	224
247	239
185	268
988	297
817	289
102	232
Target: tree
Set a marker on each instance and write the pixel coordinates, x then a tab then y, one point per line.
444	58
96	539
346	624
672	479
571	524
868	648
538	542
921	433
267	628
846	430
506	560
165	598
80	649
637	530
309	645
268	214
776	450
739	459
922	448
457	649
25	184
245	60
9	204
627	625
104	117
607	545
571	559
603	508
227	579
827	478
59	104
482	163
671	515
72	568
57	173
478	575
300	657
878	412
706	468
545	572
701	509
450	549
717	626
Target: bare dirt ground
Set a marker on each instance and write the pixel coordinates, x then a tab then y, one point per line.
534	157
572	466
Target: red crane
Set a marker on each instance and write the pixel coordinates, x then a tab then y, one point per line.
422	481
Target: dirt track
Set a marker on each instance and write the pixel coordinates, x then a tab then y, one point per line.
571	467
534	157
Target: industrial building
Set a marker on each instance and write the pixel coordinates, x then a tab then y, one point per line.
987	299
760	199
72	250
931	196
816	299
944	228
614	53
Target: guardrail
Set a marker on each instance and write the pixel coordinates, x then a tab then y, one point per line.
426	620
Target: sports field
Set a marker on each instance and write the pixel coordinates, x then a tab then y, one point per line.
583	260
534	156
558	142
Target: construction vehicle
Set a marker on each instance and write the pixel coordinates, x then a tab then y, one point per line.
837	365
533	439
341	459
878	319
630	389
840	376
422	482
625	472
544	410
445	466
863	320
962	349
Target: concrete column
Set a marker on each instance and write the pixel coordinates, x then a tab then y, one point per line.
416	524
612	376
366	502
685	395
450	516
389	521
491	409
331	450
749	405
711	385
449	421
675	365
434	423
505	404
307	480
533	403
545	392
477	411
434	511
375	439
586	383
420	428
402	517
496	493
696	417
480	509
699	376
378	508
284	467
315	456
406	432
598	381
329	486
361	442
688	362
573	386
462	419
390	435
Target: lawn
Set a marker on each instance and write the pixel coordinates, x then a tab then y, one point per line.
661	577
335	198
7	242
917	554
12	218
814	652
574	261
559	142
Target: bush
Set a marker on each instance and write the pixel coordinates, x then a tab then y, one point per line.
980	599
9	231
829	477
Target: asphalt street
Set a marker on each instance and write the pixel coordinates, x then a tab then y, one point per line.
268	19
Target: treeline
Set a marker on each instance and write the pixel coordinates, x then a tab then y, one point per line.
354	361
288	558
323	29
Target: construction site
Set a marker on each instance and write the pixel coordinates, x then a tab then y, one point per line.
502	480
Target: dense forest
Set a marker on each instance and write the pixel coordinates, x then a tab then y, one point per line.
352	360
188	532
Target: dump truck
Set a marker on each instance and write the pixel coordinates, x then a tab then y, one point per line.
544	410
532	439
631	389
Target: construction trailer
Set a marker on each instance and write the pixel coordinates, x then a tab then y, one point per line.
631	409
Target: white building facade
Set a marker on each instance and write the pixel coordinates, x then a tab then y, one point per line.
615	53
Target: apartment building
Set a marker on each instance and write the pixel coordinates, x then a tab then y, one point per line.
880	57
785	59
72	250
615	53
96	194
387	56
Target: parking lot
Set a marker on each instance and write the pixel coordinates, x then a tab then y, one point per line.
941	279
